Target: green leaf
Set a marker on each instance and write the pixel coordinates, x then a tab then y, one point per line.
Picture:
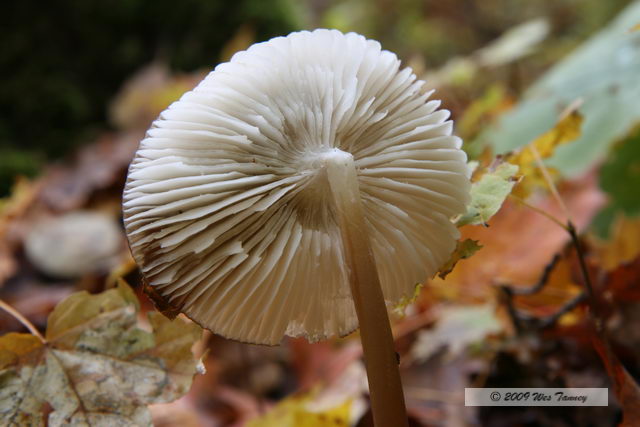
488	194
620	176
605	74
96	367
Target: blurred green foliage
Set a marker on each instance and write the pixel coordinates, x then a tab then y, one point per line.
441	29
604	74
620	176
61	62
620	179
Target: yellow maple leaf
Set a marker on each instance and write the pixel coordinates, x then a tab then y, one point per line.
95	367
566	130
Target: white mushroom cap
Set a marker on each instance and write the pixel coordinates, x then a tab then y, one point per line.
227	204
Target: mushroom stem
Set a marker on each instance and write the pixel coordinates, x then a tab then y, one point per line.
385	388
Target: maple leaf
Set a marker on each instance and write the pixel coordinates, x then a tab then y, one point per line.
517	245
95	367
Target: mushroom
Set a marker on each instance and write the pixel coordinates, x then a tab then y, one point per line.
300	189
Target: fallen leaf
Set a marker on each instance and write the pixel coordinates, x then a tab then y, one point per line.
567	129
623	244
622	282
22	196
96	166
96	367
488	194
456	328
625	387
517	245
295	412
464	249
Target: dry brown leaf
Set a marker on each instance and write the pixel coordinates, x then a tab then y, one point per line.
22	196
517	245
96	367
96	166
624	386
622	283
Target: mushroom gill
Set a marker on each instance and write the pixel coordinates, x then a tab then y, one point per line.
227	204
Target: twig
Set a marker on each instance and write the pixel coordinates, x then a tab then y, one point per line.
518	318
593	303
538	210
544	278
548	321
20	318
552	186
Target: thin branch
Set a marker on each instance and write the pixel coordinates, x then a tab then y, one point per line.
549	321
597	320
519	318
20	318
538	210
550	183
544	278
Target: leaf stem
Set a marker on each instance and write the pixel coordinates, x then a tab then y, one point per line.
538	210
20	318
385	387
585	274
550	183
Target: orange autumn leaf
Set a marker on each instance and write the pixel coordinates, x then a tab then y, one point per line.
517	245
625	387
